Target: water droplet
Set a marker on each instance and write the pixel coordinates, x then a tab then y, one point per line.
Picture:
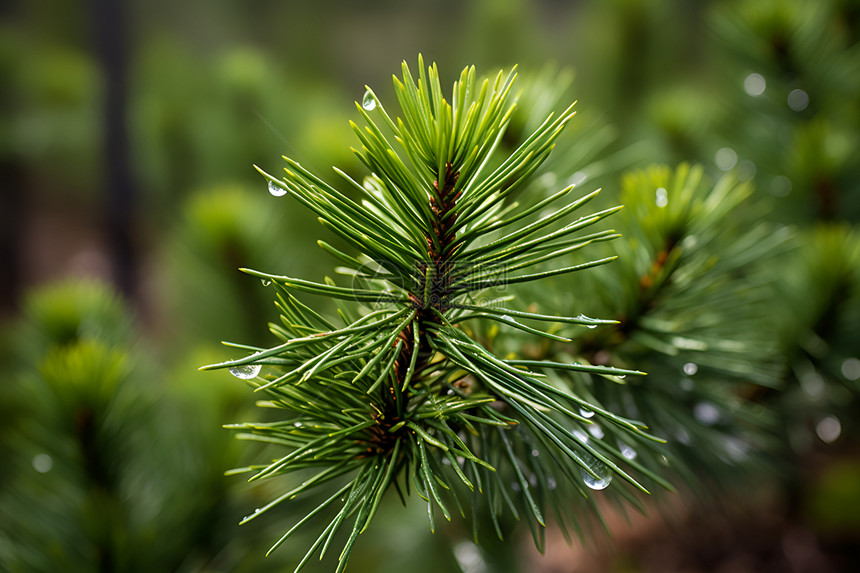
798	100
596	431
586	413
446	462
813	384
43	463
245	371
580	435
368	102
276	190
551	483
266	282
683	436
516	486
662	197
591	326
690	368
297	424
851	369
755	84
736	449
535	453
602	470
726	158
469	557
706	413
828	429
627	451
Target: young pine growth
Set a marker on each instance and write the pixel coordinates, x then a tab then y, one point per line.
397	392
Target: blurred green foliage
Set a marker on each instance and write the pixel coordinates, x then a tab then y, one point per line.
111	441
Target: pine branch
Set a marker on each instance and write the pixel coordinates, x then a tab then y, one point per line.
693	293
397	393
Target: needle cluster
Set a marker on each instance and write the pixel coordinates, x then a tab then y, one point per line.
396	392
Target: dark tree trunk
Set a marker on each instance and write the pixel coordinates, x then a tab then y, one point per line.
111	34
